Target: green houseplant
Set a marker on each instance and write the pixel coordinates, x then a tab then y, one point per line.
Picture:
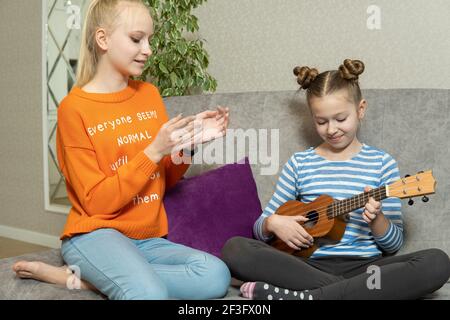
178	64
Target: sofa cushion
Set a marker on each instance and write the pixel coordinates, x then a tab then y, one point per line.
205	211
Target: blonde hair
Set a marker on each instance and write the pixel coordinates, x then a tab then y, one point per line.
100	14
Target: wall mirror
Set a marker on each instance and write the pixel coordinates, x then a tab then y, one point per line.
61	34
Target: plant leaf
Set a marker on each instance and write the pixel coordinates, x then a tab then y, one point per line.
173	78
182	48
163	68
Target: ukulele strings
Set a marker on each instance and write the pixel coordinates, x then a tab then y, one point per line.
321	211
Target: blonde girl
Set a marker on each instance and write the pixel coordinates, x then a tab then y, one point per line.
115	234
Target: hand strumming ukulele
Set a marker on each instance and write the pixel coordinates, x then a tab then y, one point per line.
327	217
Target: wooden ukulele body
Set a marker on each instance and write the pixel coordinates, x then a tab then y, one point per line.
321	225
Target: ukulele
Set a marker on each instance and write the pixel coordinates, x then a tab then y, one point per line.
327	217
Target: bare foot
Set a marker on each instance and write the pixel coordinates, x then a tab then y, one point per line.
47	273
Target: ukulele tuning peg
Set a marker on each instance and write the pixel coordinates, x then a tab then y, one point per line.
411	202
425	199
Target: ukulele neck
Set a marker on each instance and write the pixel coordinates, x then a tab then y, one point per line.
342	207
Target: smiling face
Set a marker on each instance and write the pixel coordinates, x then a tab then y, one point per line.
127	48
336	118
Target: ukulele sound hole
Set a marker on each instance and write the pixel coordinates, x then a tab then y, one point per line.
313	217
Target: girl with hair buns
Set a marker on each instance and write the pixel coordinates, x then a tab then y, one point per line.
341	167
117	151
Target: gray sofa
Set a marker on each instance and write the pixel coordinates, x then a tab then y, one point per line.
413	125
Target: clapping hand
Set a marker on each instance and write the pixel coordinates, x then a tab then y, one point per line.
207	126
213	124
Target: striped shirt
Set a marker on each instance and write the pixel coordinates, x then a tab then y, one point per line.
307	175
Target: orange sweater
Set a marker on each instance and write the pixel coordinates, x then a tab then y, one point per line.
110	181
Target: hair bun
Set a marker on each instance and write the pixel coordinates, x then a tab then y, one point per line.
351	69
305	76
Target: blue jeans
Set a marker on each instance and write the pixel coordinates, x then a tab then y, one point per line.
155	268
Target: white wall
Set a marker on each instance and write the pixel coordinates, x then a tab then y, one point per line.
254	44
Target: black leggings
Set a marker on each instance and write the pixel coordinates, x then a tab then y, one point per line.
408	276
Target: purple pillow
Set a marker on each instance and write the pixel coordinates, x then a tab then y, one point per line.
206	210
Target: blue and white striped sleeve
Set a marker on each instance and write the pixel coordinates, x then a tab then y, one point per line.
392	240
285	190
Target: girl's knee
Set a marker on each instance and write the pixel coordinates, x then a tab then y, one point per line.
235	247
435	271
441	262
217	278
233	244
